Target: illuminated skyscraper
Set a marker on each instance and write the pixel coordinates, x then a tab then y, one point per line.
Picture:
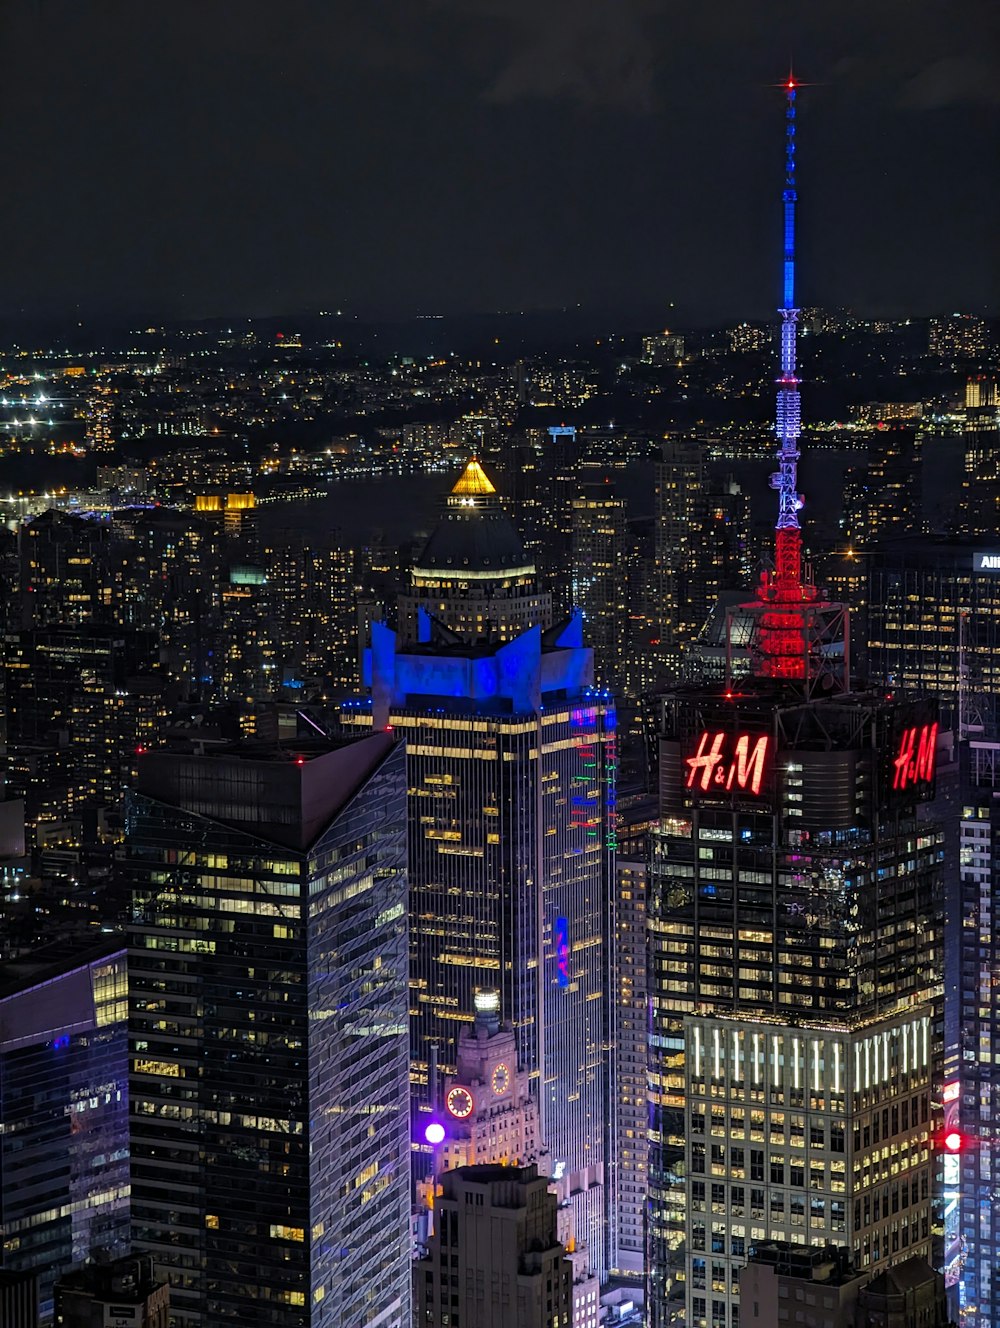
979	508
933	621
268	998
794	940
600	578
971	1092
701	538
511	762
64	1116
882	496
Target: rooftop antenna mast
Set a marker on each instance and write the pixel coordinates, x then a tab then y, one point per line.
795	629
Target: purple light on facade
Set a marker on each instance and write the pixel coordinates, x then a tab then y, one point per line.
434	1134
562	952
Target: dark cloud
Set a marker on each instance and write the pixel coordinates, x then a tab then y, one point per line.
589	52
202	156
952	81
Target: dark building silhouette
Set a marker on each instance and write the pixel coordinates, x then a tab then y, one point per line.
125	1291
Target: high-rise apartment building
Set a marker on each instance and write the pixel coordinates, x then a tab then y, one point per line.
268	1023
663	348
601	582
701	545
979	506
511	763
882	496
90	694
64	1115
958	337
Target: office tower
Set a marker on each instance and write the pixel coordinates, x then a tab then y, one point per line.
933	621
882	496
511	761
126	1291
473	575
630	1017
971	1092
979	505
18	1299
601	581
64	1110
701	546
794	941
268	999
495	1259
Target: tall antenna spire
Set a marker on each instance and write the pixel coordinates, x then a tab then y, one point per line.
798	638
783	651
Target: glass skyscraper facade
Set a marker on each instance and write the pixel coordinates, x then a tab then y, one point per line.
971	1091
511	873
64	1117
269	1033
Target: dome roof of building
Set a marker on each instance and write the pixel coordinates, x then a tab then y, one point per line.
474	534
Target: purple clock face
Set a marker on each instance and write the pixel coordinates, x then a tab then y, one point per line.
460	1103
500	1079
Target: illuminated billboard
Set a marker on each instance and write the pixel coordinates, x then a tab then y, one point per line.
724	763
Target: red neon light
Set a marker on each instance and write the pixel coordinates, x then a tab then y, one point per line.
710	769
954	1141
916	757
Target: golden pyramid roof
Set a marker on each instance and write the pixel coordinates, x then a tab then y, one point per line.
473	480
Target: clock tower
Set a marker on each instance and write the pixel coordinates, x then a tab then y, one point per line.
486	1110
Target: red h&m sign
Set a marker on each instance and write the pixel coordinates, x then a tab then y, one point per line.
915	759
712	768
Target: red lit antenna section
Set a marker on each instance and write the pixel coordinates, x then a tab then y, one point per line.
798	639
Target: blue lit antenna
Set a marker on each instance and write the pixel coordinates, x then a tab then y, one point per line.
788	422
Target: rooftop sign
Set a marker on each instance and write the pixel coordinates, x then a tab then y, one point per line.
985	561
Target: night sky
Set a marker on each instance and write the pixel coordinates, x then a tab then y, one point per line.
392	157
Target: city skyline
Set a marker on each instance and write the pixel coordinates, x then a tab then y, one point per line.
574	908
